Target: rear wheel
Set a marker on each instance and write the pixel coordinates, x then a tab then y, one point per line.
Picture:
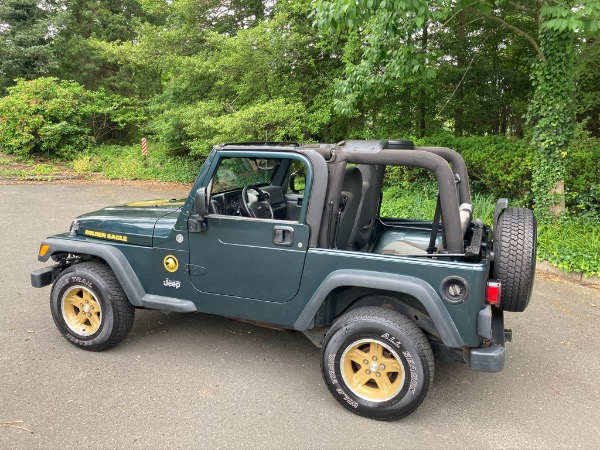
515	248
89	306
377	363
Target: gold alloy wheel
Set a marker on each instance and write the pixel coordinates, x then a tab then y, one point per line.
372	370
81	311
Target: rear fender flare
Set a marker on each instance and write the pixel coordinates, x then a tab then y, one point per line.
415	287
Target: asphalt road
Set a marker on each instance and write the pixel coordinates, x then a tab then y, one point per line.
197	381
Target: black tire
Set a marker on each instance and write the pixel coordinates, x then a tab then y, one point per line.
89	306
515	248
364	333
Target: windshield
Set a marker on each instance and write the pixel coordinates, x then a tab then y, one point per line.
235	173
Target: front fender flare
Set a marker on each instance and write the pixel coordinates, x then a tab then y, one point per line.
113	257
415	287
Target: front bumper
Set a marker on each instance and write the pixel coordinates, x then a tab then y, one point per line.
44	276
490	358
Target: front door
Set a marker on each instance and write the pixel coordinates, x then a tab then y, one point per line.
249	258
245	252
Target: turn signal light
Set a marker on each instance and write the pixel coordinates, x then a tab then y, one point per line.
494	291
44	249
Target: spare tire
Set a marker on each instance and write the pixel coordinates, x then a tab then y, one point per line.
515	248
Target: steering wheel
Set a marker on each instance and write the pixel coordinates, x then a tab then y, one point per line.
259	208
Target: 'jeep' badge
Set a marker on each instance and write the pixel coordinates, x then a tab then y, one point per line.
171	263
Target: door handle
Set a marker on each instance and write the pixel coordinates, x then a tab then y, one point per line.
283	236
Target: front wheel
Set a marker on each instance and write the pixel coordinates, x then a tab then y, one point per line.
89	306
377	363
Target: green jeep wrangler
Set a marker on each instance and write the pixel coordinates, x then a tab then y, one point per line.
291	236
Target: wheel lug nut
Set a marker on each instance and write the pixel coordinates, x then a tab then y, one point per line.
90	314
87	301
374	358
91	307
81	304
378	374
368	372
365	362
382	366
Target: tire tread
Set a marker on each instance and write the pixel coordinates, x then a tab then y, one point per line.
515	247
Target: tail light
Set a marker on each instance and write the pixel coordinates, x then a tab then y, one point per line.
494	291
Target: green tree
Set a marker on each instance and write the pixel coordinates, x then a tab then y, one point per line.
268	80
27	35
84	58
391	53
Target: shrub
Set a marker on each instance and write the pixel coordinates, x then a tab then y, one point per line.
582	181
61	118
497	165
43	115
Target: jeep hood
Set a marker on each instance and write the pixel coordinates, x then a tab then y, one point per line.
131	223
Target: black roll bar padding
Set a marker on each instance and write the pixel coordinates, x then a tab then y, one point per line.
445	179
458	165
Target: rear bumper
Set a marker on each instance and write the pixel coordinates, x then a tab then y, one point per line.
44	276
490	358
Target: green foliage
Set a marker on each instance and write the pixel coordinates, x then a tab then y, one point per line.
43	115
407	200
27	34
390	35
501	167
268	82
571	244
200	126
128	163
497	165
552	113
417	200
582	177
61	118
86	55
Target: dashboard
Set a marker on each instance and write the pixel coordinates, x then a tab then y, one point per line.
228	203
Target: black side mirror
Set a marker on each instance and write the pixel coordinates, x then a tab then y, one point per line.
200	206
297	182
196	222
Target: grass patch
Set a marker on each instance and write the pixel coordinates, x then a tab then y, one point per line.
419	200
571	244
14	167
128	163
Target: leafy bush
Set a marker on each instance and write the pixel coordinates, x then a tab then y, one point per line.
43	115
61	118
497	165
502	167
582	181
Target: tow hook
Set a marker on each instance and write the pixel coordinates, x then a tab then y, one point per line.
507	335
